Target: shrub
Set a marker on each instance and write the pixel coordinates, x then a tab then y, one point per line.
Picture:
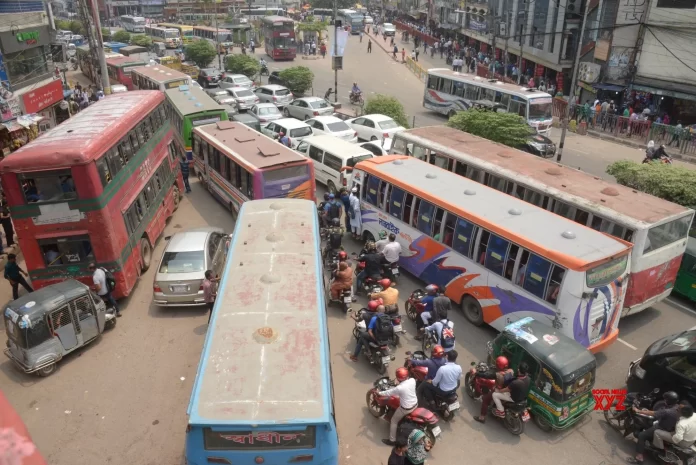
298	79
386	105
121	36
505	128
669	182
140	40
242	64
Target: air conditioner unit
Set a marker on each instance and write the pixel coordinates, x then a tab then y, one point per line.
503	29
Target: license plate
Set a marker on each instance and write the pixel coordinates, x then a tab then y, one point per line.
397	328
386	360
395	271
436	431
525	416
453	406
347	300
179	288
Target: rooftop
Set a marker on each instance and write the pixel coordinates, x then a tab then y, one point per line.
160	73
189	100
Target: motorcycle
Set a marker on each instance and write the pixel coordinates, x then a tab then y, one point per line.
627	422
345	297
414	306
664	159
479	381
445	408
356	98
396	323
429	341
385	406
657	155
264	71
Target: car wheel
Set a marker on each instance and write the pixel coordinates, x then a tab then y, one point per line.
373	138
286	113
331	187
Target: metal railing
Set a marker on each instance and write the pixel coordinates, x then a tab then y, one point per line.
420	72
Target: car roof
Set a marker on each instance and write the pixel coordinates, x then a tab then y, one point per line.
273	87
291	123
191	240
237	76
327	119
338	147
310	99
376	117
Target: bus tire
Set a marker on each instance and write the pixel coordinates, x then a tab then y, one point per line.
472	310
451	113
145	254
177	197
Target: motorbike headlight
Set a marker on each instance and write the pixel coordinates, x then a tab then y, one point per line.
638	371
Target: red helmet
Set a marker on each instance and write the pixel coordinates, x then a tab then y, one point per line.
501	363
385	283
438	352
372	305
342	256
402	374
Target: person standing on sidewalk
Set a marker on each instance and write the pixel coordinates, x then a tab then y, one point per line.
184	164
13	273
403	55
395	51
322	49
369	45
6	221
209	293
361	36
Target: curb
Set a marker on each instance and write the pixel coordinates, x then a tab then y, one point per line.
311	57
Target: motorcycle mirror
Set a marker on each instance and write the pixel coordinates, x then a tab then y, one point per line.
656	391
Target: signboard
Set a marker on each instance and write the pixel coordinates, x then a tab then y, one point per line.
480	26
175	84
43	97
18	40
29	38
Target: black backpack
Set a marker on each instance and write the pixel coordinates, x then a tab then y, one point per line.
335	240
383	328
334	210
447	336
110	279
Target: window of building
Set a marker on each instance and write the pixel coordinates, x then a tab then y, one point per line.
26	65
48	186
66	250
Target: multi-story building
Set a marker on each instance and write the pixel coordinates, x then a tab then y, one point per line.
146	8
194	10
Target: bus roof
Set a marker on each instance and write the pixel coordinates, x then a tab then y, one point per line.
487	83
85	136
275	18
160	73
265	357
251	147
125	61
529	226
208	28
605	198
189	99
176	26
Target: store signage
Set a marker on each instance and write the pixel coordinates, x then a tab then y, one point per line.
43	97
29	38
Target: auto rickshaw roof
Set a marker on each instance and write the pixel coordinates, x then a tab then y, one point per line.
552	348
36	304
691	246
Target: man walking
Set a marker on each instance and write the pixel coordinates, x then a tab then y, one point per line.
183	163
209	293
6	221
102	287
361	36
13	273
369	45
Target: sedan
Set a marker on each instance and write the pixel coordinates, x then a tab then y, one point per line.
225	99
236	81
265	112
209	77
332	126
308	107
186	257
244	98
378	148
216	92
278	95
374	127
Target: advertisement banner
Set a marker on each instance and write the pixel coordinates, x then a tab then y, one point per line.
43	97
341	42
480	26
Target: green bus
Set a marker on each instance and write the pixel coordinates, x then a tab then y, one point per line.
188	107
685	283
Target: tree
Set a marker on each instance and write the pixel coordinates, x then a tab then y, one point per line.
505	128
298	79
106	33
76	27
312	26
121	36
386	105
201	52
141	40
62	25
242	64
668	182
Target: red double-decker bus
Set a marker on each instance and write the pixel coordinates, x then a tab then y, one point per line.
279	37
120	69
98	187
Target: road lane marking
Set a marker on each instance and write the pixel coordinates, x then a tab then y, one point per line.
677	304
626	344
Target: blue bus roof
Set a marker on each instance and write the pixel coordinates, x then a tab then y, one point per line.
265	359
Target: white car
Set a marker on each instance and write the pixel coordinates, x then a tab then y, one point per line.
332	126
378	148
389	29
374	127
307	107
236	81
295	129
265	112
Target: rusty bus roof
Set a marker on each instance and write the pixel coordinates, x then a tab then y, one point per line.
266	354
208	28
85	136
125	61
490	84
160	73
559	180
257	150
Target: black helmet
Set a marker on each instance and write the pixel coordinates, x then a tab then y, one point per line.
326	196
336	222
670	397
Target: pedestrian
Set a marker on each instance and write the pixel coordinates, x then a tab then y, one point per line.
314	47
676	135
369	45
403	55
361	36
13	273
209	293
417	53
418	448
345	198
398	453
322	49
306	48
101	286
395	51
6	221
355	214
184	164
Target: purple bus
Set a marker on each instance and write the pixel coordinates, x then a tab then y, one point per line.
237	164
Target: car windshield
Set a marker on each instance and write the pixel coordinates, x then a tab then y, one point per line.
182	262
540	108
389	124
355	160
320	104
243	93
338	126
282	92
241	80
301	132
268	111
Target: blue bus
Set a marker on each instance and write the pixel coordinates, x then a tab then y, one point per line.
263	391
353	19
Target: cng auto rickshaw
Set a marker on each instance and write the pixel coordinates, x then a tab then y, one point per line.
561	371
47	324
685	284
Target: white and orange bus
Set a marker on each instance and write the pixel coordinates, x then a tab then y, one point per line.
657	228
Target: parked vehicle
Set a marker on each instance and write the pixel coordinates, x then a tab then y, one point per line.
45	325
265	112
296	130
247	120
209	77
539	145
685	284
333	126
374	127
236	81
378	148
308	107
243	98
279	95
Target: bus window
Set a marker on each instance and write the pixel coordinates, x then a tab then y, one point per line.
472	92
134	141
234	170
628	235
534	198
458	89
408	207
496	253
555	284
437	224
381	203
445	86
521	271
494	181
396	200
460	168
425	217
581	216
536	275
487	94
483	246
450	223
126	150
366	181
505	100
563	209
432	82
463	237
103	169
399	146
515	106
416	205
510	261
596	222
419	152
372	189
441	161
473	174
224	166
519	192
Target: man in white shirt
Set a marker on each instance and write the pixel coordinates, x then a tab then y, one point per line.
102	288
685	432
408	401
392	251
383	241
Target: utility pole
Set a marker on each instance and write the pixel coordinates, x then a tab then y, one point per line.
335	53
217	36
571	100
507	39
523	39
492	25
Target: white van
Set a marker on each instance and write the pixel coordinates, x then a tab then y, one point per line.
331	157
295	129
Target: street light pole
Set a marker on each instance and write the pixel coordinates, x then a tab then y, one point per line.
335	53
576	66
217	36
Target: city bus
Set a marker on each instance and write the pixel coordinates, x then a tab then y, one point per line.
269	326
170	36
353	19
99	188
185	32
499	258
133	23
323	14
120	69
256	13
448	92
657	228
19	445
188	107
158	77
238	164
224	36
279	37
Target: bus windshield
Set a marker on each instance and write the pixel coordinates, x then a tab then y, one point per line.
171	34
540	108
283	42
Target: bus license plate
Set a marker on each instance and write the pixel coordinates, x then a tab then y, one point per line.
397	328
453	406
436	431
386	360
525	416
179	288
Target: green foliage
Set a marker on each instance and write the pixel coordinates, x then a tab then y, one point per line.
313	26
121	36
298	79
669	182
201	52
62	24
76	27
140	40
504	128
386	105
242	64
106	33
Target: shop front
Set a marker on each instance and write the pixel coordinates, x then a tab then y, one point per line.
25	55
43	102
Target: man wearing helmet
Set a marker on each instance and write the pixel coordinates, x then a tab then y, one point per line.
408	401
503	375
343	279
666	420
373	265
436	360
515	391
446	380
389	295
427	302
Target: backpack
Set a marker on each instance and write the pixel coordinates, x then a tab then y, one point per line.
335	240
383	328
110	279
447	336
334	210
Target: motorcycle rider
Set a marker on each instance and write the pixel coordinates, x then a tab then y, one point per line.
392	250
264	65
666	420
446	380
436	360
355	92
444	328
335	237
408	401
516	391
320	209
684	433
373	265
343	280
389	296
503	376
383	240
427	301
376	332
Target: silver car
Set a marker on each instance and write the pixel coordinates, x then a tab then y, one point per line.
244	98
275	94
180	273
308	107
236	81
265	112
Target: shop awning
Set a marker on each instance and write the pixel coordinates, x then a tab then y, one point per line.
12	126
27	120
610	87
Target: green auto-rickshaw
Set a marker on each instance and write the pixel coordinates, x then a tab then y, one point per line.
562	371
685	283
